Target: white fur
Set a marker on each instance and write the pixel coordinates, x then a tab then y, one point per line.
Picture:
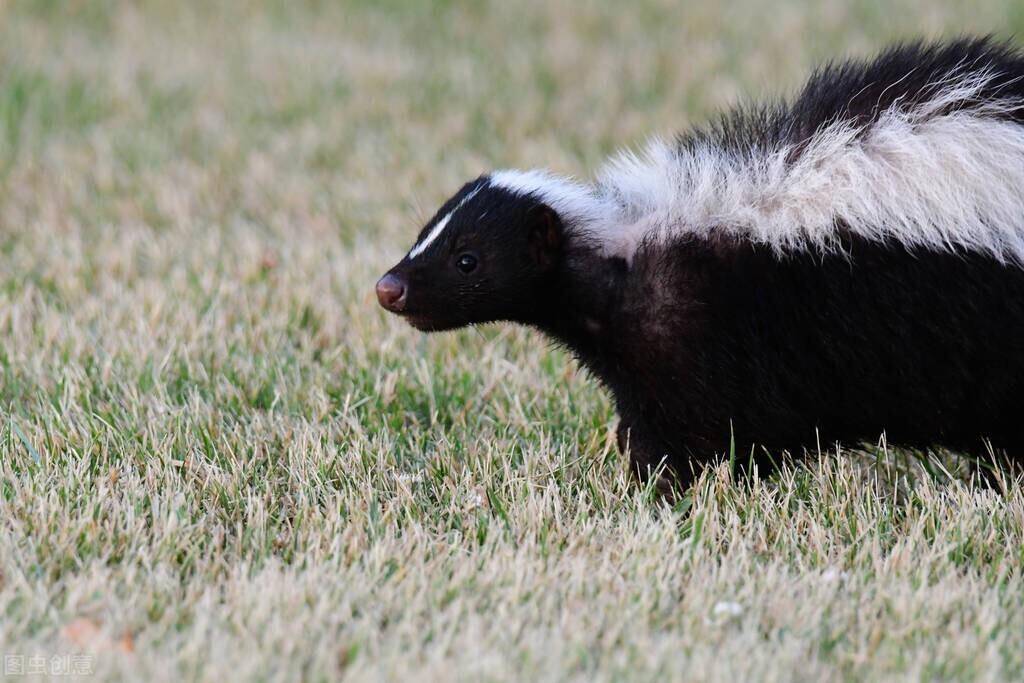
440	226
573	201
932	177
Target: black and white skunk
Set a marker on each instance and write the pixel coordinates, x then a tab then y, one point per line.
792	276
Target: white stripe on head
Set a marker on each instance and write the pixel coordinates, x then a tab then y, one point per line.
574	202
441	225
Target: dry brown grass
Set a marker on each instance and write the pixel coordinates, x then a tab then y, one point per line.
219	460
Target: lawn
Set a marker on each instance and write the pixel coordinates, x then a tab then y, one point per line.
220	460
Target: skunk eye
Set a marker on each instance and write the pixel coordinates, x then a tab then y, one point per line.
466	263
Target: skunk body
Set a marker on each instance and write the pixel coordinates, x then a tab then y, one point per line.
843	267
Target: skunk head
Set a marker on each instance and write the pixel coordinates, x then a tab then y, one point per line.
490	253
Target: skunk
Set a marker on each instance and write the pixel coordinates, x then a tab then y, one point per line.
842	267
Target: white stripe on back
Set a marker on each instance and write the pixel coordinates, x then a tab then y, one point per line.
936	175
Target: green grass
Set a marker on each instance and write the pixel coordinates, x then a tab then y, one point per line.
225	461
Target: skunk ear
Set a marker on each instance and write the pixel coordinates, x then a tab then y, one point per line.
545	235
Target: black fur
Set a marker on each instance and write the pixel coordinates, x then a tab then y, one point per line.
514	270
859	92
711	339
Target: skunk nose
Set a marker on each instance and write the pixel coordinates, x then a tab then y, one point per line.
391	292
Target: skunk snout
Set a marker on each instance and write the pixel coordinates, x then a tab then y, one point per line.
391	291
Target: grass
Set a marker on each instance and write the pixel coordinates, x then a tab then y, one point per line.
220	460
